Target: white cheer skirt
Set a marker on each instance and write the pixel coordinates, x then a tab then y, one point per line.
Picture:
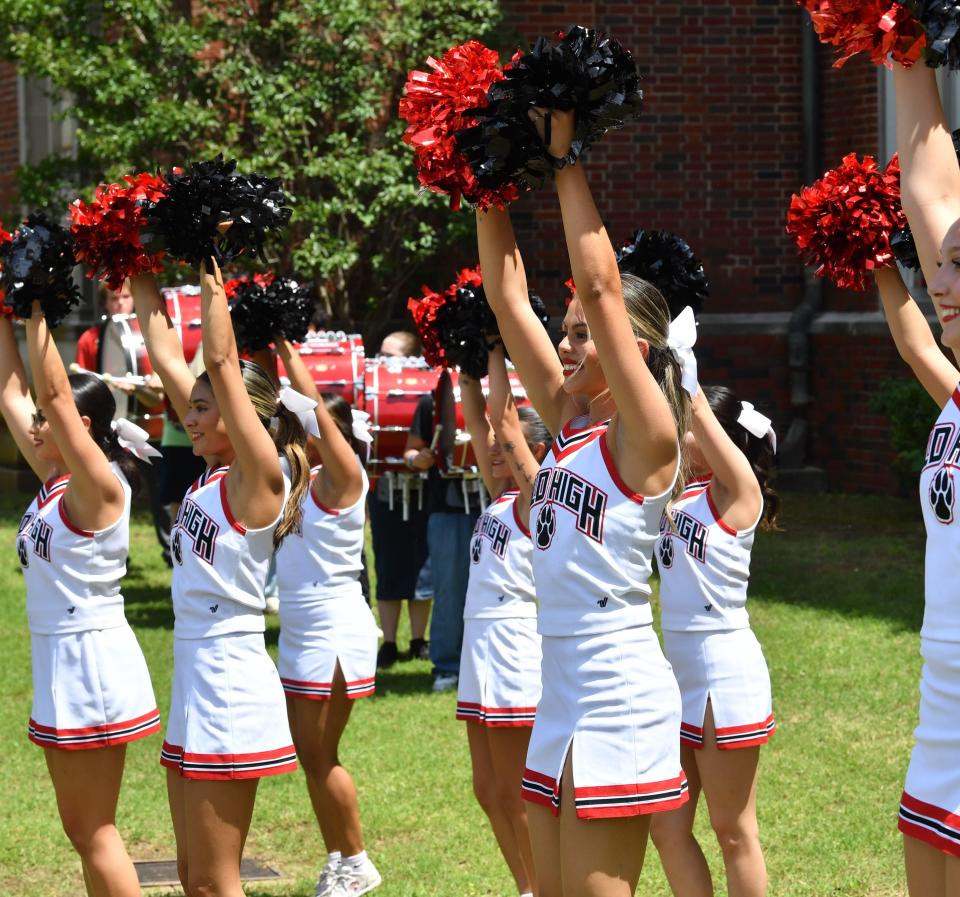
499	681
612	700
729	669
90	689
315	635
228	715
930	805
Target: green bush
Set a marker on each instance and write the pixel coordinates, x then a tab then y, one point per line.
912	413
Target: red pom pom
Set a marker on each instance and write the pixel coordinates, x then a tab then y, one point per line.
231	286
5	310
106	232
436	106
424	311
843	222
879	28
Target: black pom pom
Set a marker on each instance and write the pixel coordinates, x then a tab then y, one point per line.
261	312
37	264
186	221
463	322
667	261
941	24
585	71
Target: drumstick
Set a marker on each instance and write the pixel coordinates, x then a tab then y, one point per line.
132	379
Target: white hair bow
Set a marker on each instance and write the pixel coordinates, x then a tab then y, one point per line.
361	429
134	439
681	338
303	407
756	423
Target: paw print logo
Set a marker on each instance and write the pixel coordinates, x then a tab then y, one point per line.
22	552
665	553
176	548
546	526
942	495
475	547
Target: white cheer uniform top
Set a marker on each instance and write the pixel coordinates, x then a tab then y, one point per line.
939	487
323	559
593	538
501	564
220	566
72	575
704	566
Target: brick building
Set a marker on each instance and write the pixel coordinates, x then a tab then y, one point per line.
742	107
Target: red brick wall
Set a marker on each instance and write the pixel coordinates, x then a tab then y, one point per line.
9	142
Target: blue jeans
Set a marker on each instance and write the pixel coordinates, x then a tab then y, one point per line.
448	538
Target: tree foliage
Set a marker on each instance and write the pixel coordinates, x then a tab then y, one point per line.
306	90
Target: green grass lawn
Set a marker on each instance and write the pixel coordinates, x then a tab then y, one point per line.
836	602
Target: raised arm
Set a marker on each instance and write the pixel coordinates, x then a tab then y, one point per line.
163	343
506	424
914	340
735	489
16	404
645	441
257	494
481	436
505	286
340	482
929	173
94	497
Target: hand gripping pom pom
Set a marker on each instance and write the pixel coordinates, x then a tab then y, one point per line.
186	220
106	232
464	321
940	20
5	310
265	310
843	223
879	28
583	70
37	264
666	261
436	105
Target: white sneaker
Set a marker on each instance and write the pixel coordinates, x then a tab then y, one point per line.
328	880
445	681
353	882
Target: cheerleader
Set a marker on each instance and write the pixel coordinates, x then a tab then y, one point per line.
605	748
328	637
703	555
930	185
91	689
499	683
228	722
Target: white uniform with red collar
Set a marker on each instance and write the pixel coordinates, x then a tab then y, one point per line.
930	805
704	570
607	689
499	683
90	681
323	616
228	714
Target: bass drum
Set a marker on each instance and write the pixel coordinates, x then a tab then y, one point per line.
336	362
393	387
123	356
183	307
453	449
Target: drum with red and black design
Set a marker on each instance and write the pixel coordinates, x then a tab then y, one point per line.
335	360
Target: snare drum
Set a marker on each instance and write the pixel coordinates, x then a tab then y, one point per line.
335	361
123	355
393	387
453	450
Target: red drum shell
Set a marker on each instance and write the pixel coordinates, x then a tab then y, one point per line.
393	387
453	450
336	363
183	307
